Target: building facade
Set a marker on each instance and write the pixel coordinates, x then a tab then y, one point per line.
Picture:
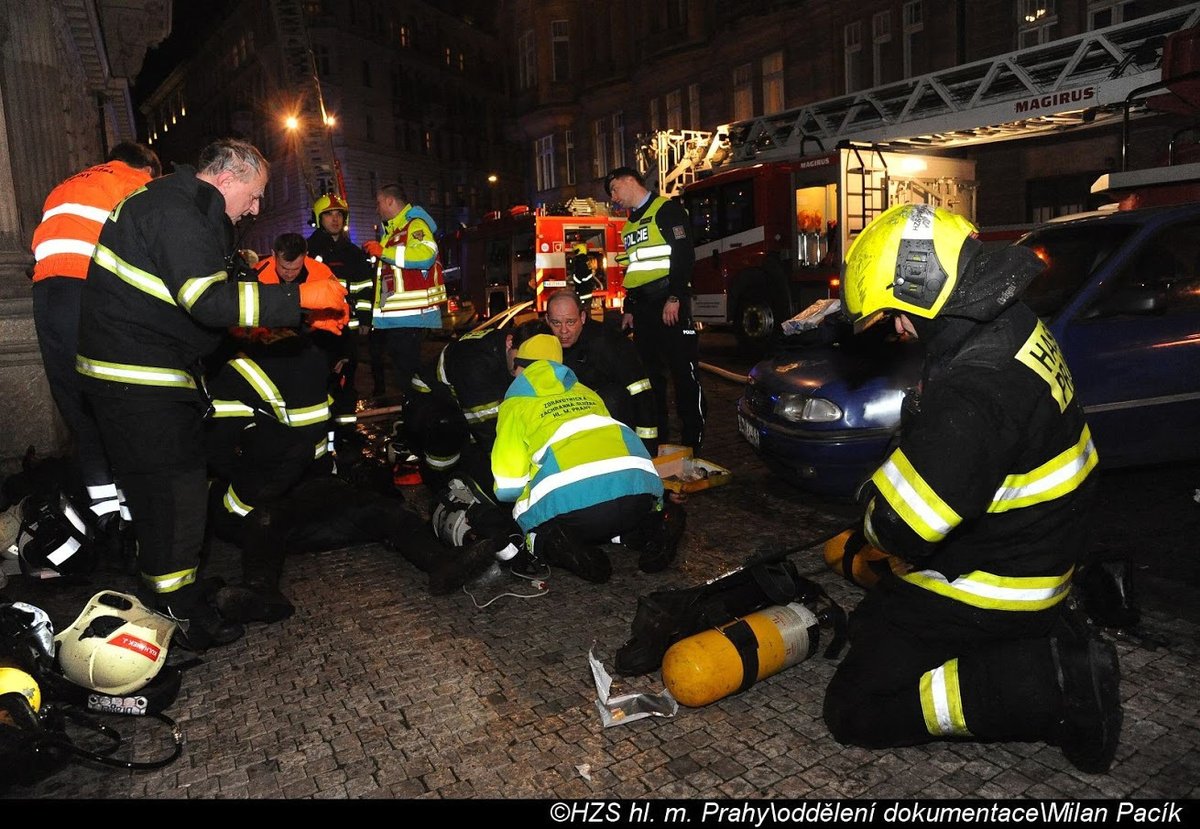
591	79
404	92
66	67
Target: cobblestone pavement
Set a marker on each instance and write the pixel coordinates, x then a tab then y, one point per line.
375	689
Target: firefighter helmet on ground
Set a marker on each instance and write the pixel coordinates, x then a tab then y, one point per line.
116	646
906	260
26	637
14	679
327	202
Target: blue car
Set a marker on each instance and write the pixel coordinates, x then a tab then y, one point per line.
1120	292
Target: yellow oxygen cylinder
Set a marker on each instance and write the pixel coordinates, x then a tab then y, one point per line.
728	659
859	566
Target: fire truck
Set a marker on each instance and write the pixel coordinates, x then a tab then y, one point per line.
775	201
522	254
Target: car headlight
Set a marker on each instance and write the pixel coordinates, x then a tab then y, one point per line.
800	408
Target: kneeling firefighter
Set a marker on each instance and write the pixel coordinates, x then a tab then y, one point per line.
982	504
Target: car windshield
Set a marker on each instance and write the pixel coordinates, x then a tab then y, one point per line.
1071	253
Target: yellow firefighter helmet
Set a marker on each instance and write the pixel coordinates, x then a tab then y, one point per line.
906	260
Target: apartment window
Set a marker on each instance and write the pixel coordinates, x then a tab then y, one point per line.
543	151
448	56
569	154
694	105
772	83
677	13
881	35
618	139
654	118
743	92
914	23
405	35
561	42
321	56
427	142
852	55
1037	22
674	110
370	128
526	61
462	62
600	147
366	73
1102	13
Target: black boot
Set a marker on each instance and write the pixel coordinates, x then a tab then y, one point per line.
460	565
662	542
200	626
1089	677
557	548
258	597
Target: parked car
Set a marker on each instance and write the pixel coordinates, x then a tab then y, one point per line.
1121	294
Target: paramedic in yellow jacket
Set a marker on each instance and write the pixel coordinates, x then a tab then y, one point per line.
409	290
576	476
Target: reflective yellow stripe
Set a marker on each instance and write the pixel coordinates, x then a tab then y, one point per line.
361	285
231	408
193	288
992	592
419	384
404	300
441	462
478	414
235	504
308	415
248	307
138	375
144	281
1053	479
170	582
263	387
941	702
914	500
322	448
638	386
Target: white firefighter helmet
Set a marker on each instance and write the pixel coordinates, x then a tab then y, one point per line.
116	646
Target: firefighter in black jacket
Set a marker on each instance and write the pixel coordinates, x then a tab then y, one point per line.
157	300
268	431
606	362
451	416
330	243
658	262
984	505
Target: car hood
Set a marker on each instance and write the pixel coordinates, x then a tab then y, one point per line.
866	380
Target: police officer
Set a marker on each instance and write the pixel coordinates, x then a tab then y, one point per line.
984	505
658	261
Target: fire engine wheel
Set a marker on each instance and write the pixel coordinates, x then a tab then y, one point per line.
756	320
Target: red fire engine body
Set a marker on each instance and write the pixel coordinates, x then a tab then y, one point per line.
522	254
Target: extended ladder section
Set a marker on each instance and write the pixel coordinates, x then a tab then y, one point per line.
300	76
1076	82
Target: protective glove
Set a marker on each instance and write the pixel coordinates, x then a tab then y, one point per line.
331	321
373	248
323	295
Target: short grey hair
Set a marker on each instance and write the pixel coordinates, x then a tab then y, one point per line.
234	156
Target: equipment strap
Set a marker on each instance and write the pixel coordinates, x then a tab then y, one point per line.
742	637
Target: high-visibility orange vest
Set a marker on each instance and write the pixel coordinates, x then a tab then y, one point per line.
73	214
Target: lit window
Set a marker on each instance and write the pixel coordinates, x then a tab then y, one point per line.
674	110
1037	22
772	83
743	92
